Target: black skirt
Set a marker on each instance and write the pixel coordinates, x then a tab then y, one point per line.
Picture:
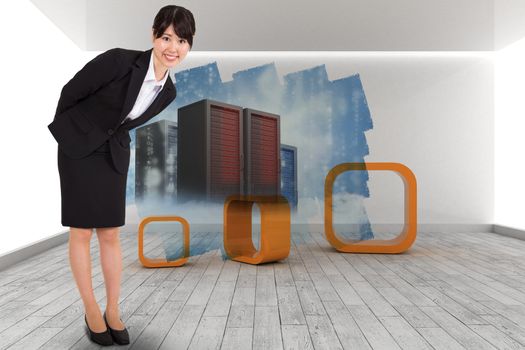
93	192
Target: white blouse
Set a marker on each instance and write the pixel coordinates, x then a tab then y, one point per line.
148	92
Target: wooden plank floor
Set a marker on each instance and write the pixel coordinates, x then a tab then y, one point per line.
450	291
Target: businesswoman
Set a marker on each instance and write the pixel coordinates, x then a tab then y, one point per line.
115	92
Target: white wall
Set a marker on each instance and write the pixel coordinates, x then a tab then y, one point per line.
68	15
433	113
509	113
37	60
510	140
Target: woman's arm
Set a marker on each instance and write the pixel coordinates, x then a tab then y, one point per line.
97	73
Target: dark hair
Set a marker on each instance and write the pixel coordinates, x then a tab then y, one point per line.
181	18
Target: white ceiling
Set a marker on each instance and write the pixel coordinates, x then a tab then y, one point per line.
353	25
509	22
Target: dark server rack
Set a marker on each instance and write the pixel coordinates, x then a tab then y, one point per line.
156	161
261	152
289	174
210	164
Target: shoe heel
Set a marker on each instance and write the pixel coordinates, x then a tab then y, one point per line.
121	337
101	338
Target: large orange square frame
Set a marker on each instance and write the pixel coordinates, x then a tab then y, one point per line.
398	244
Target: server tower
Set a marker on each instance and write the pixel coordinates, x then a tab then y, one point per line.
261	152
289	174
156	161
210	163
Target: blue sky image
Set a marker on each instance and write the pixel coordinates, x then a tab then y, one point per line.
326	120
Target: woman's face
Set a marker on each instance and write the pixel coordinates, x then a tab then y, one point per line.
169	49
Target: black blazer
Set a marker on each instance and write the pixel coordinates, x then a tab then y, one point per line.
96	100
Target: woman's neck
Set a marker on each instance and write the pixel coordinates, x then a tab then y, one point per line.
160	70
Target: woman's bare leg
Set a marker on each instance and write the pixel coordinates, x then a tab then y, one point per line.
80	262
111	261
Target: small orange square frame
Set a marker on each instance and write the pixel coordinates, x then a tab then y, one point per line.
275	228
163	262
398	244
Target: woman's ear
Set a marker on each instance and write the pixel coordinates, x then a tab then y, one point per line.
152	34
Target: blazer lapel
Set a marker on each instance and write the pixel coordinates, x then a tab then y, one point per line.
161	98
138	73
159	103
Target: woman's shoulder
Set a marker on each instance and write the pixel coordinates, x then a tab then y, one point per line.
123	55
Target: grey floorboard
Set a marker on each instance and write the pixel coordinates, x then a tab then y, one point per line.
449	291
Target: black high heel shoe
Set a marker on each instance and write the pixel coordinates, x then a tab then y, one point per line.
102	338
121	337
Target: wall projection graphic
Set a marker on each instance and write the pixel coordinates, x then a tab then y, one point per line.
322	124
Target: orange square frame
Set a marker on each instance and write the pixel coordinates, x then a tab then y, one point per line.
163	262
398	244
275	228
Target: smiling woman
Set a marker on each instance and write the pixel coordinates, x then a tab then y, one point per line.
173	31
115	92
